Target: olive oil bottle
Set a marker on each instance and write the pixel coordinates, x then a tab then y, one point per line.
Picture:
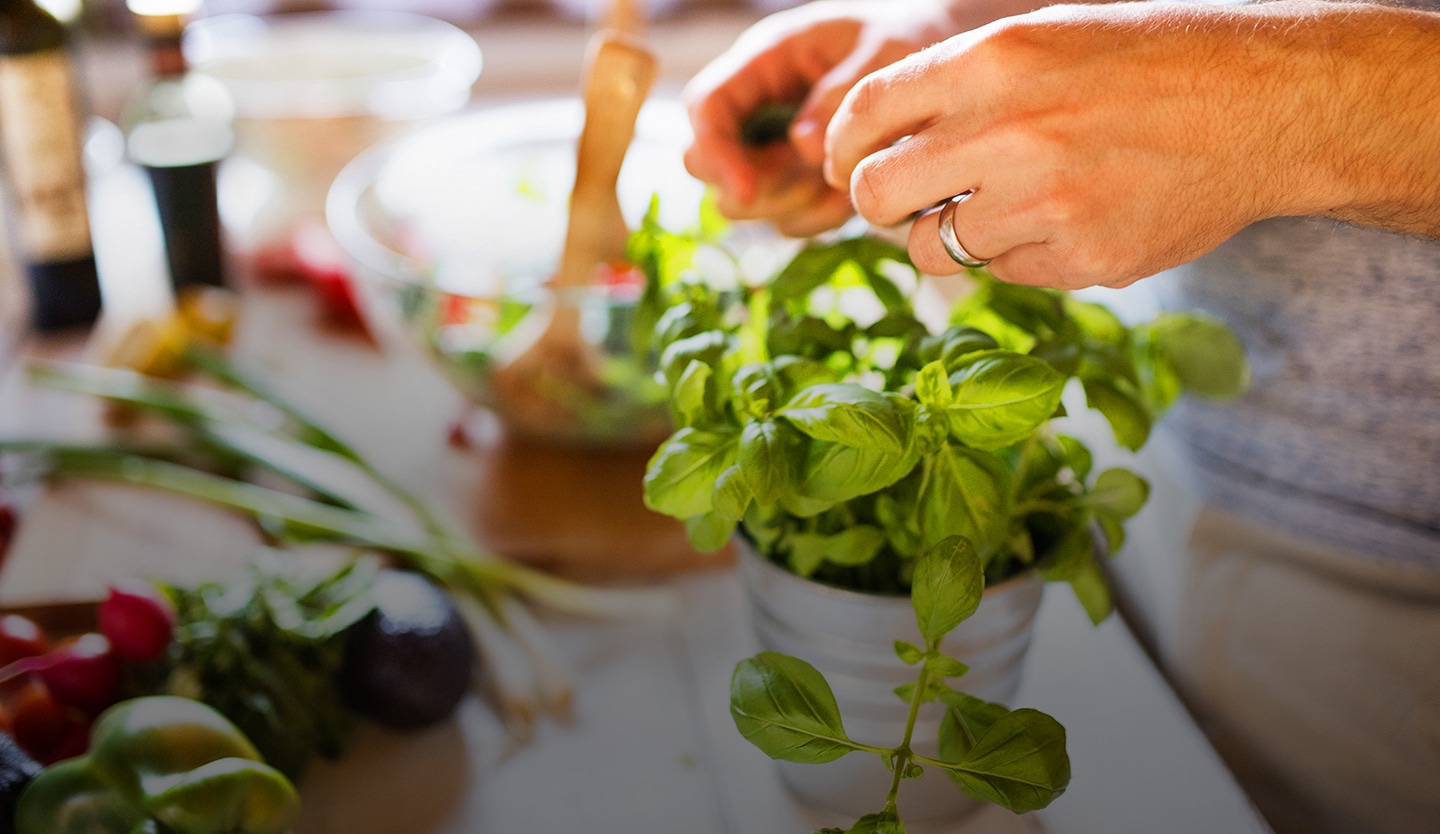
40	147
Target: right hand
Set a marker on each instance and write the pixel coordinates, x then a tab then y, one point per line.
811	56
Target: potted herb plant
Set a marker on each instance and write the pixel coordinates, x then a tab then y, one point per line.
881	478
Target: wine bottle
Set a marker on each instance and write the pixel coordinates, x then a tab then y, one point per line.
178	128
40	139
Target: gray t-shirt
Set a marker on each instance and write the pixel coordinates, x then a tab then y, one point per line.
1338	440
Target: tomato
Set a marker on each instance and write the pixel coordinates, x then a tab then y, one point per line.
42	723
9	521
82	672
20	637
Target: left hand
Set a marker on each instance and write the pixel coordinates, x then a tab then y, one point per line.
1103	144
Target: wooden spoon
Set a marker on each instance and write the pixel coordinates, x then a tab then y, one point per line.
553	356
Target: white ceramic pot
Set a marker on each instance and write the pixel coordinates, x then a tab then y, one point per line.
850	638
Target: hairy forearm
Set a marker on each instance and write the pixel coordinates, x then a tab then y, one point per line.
1374	157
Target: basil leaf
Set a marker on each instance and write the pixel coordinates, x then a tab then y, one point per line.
1119	492
1095	320
681	475
1203	353
1077	456
807	553
944	665
731	495
946	588
834	473
932	386
954	345
1070	556
1093	591
1128	416
851	415
1114	532
966	493
763	459
909	653
783	706
756	388
708	347
796	373
690	398
1002	398
709	532
967	718
899	523
859	545
885	822
1018	762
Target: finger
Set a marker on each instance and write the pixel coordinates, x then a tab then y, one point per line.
935	164
879	110
808	132
984	226
819	215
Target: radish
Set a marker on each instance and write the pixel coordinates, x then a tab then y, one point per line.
138	620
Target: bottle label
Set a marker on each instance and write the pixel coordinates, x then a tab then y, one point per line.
40	138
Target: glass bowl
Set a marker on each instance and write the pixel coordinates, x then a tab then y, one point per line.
455	230
313	90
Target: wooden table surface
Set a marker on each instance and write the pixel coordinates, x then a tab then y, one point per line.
650	749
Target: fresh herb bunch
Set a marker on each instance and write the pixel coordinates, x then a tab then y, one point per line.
1014	758
266	650
820	415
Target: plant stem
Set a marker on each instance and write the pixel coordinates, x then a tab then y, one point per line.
1037	505
903	755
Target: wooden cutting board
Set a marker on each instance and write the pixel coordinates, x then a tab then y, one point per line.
577	513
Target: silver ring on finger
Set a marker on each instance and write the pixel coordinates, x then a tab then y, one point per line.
948	239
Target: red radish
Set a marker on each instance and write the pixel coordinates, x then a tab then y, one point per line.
42	723
72	744
138	620
20	637
80	673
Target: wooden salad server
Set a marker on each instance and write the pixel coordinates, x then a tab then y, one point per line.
553	355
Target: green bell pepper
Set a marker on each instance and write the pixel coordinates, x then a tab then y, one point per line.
160	765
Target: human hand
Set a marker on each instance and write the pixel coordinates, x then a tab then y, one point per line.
1103	144
810	56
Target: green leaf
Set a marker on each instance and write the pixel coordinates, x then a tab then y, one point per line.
932	386
1077	456
764	459
1096	320
707	348
709	532
851	415
966	493
834	473
756	388
1019	762
947	586
731	496
858	545
1002	399
1070	556
909	653
1128	416
690	397
1114	530
966	720
885	822
1119	492
1203	353
783	706
957	344
681	475
1093	591
944	665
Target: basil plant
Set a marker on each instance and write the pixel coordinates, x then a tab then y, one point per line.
847	441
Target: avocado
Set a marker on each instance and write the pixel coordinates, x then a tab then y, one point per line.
409	662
